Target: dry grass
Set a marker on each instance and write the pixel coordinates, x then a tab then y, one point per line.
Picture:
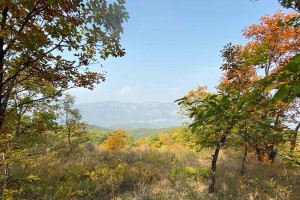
261	181
142	173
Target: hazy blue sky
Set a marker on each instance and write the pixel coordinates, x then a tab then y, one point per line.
172	46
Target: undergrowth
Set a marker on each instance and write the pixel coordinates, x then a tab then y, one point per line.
92	171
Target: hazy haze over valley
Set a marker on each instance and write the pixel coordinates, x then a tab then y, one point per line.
130	115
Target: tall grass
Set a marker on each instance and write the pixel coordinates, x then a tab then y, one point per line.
144	172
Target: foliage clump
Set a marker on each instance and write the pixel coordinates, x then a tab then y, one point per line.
117	140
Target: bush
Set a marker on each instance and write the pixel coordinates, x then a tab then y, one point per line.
117	140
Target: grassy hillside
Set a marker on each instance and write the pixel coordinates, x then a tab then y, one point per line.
165	166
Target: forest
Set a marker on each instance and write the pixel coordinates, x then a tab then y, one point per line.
238	142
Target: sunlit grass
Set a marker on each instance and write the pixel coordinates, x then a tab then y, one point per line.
145	172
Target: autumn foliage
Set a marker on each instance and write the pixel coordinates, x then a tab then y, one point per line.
34	39
244	111
273	38
251	120
117	140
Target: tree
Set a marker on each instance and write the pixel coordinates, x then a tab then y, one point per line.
215	117
48	45
239	81
279	35
71	116
242	111
117	140
29	117
286	79
273	42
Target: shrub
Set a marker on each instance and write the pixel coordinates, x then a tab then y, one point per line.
117	140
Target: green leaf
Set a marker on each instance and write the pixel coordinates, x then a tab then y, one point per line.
294	64
296	88
280	23
282	93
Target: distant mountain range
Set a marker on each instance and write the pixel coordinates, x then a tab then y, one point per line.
130	115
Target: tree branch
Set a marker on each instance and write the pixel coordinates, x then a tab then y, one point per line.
26	20
27	64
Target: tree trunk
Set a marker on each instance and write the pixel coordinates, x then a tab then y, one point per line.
2	106
69	137
220	143
294	138
18	131
273	152
244	160
6	174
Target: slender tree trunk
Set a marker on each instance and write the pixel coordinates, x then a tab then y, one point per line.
6	174
244	160
1	120
19	113
294	138
2	111
215	155
2	103
273	151
18	131
69	137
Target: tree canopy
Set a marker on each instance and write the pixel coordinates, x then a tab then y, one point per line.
47	46
257	99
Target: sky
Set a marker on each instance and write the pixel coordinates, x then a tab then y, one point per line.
173	46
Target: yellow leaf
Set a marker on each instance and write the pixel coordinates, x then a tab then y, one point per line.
273	86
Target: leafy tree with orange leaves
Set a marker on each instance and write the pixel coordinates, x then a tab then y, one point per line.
275	48
242	109
271	46
117	140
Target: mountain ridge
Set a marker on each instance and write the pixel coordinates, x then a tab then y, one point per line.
114	114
